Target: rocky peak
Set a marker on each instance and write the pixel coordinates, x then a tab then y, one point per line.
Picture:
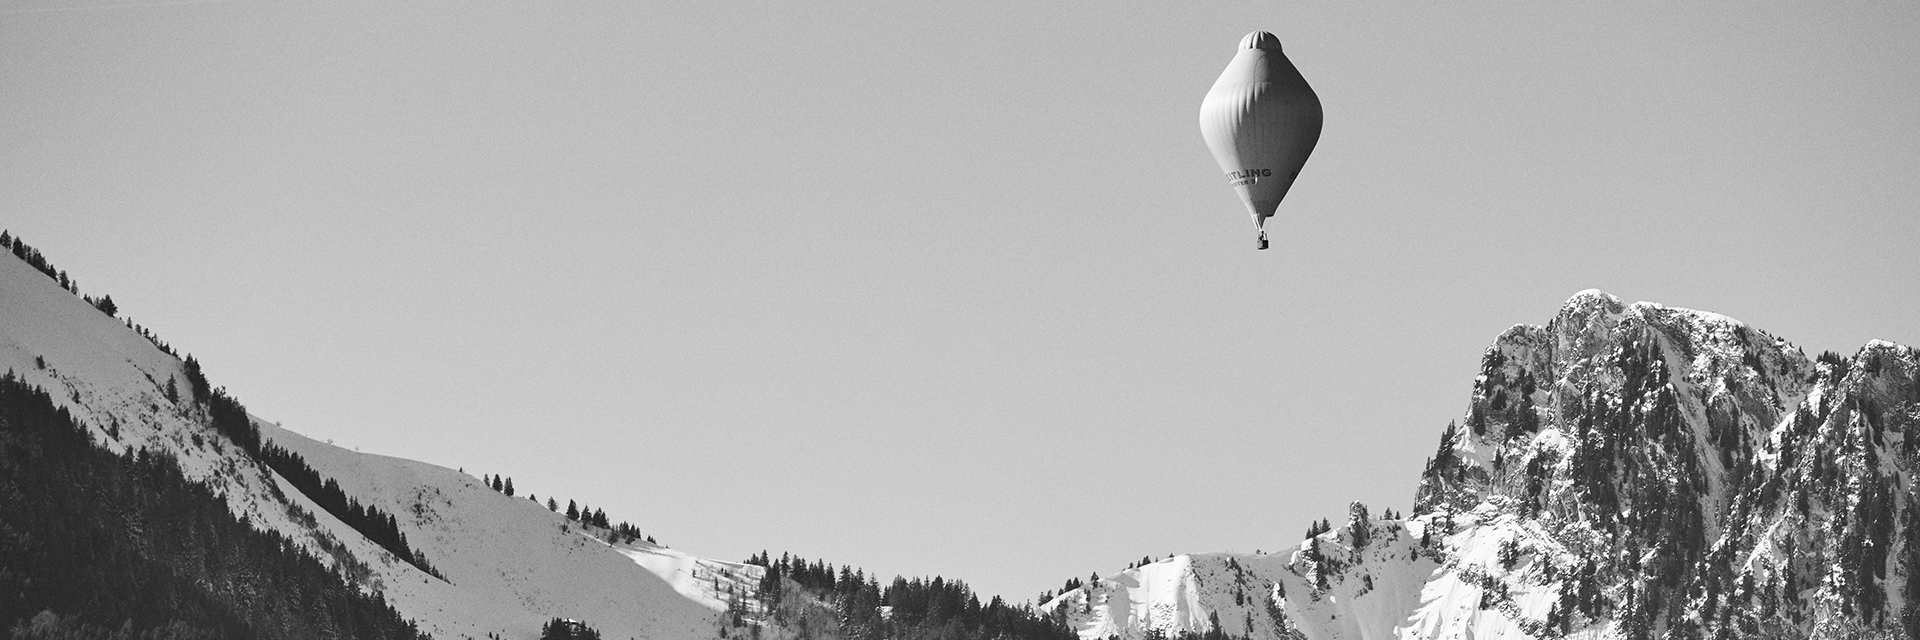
1625	470
1673	445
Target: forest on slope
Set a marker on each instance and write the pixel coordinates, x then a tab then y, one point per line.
97	545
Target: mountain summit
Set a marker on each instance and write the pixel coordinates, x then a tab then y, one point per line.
1626	470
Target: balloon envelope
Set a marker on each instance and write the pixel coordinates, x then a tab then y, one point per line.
1261	121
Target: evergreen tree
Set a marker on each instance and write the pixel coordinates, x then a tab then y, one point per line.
202	390
508	489
573	512
552	506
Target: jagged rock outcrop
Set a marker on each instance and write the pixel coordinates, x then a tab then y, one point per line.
1685	475
1633	471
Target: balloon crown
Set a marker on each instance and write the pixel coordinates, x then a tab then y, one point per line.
1260	40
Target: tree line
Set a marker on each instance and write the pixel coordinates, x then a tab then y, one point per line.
378	526
623	532
814	599
558	629
26	253
230	418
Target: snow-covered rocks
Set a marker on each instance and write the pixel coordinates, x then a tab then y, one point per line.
1625	470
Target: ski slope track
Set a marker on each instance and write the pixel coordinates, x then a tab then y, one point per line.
510	564
1624	471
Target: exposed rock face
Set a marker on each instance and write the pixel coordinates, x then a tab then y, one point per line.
1681	473
1632	471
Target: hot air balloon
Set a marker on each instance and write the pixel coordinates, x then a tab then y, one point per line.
1261	121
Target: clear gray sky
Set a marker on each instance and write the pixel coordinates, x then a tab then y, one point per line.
945	288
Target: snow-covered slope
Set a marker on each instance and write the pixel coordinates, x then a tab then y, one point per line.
1327	582
114	381
1623	471
510	565
1182	593
523	563
1158	595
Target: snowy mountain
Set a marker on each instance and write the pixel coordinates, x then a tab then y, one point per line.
1625	471
138	499
1629	471
515	564
509	565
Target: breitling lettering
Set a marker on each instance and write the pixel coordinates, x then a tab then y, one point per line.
1247	176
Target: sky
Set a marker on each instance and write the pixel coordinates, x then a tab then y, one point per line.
940	288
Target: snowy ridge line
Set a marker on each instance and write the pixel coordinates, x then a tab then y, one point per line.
511	566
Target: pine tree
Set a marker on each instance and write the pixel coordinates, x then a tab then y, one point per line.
509	487
573	512
552	506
